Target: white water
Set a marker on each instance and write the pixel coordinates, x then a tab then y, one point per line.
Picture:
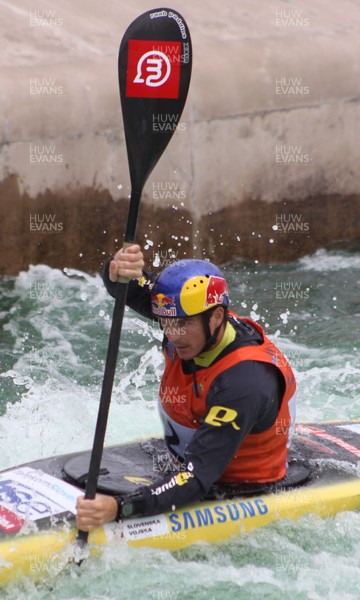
53	340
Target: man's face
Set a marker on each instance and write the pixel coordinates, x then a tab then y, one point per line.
187	334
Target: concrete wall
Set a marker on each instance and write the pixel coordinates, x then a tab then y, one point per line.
265	161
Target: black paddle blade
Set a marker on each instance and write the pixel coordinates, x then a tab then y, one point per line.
155	60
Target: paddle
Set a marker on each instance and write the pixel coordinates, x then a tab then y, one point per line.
154	75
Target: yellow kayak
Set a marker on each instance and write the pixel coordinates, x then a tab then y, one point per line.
37	500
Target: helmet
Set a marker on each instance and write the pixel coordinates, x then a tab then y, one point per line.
188	287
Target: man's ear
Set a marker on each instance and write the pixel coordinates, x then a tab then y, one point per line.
218	316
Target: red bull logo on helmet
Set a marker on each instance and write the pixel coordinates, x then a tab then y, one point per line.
163	306
216	290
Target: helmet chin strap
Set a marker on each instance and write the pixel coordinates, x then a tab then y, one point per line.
210	338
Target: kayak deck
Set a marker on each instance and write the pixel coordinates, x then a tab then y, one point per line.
37	502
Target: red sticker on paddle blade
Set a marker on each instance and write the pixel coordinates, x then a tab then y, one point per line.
153	69
9	521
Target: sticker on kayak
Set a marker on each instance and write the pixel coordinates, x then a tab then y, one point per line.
28	493
9	521
153	69
146	527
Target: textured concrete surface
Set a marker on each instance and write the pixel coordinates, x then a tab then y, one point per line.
265	161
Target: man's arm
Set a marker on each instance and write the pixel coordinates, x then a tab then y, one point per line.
129	263
255	400
167	494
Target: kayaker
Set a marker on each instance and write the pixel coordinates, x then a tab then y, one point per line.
227	394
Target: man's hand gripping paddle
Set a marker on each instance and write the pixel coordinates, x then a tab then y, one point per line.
155	60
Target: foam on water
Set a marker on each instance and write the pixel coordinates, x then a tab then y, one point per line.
324	261
50	395
56	412
311	559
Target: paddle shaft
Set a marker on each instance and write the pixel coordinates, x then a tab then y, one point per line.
110	364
